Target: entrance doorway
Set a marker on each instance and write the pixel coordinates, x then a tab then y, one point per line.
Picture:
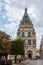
30	54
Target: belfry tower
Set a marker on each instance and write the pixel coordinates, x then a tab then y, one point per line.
27	32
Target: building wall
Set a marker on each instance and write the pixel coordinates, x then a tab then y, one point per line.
26	31
41	48
30	41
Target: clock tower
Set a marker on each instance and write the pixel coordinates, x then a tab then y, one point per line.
27	32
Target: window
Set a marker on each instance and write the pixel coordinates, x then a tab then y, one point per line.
22	34
25	21
33	33
34	42
29	42
29	34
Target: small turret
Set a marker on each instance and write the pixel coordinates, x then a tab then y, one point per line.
25	10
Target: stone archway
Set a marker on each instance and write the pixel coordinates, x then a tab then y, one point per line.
30	54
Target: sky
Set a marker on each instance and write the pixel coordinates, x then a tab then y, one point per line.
11	12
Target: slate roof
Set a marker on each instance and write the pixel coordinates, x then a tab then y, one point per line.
26	18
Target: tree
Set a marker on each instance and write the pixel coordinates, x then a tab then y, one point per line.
17	47
4	43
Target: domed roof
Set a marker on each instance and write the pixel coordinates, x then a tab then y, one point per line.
26	18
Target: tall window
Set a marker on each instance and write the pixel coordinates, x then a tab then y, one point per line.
29	34
29	42
22	34
33	33
34	42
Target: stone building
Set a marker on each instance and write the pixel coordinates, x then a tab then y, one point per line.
41	48
5	45
27	32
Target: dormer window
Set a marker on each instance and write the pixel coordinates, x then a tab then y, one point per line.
25	16
25	22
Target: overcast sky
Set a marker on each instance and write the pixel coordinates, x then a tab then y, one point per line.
11	12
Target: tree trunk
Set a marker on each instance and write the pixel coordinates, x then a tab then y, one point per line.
15	58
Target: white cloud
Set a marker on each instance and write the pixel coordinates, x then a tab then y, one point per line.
14	12
39	33
8	1
33	12
7	7
0	6
11	29
10	26
4	16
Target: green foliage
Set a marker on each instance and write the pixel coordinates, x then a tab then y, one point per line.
5	45
17	47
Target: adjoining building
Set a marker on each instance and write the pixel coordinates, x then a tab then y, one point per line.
4	45
27	32
41	48
38	54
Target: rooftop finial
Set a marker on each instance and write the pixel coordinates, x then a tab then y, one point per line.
25	10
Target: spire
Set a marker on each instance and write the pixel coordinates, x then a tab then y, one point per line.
25	10
26	18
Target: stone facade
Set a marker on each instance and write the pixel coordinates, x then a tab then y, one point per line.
26	31
41	48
